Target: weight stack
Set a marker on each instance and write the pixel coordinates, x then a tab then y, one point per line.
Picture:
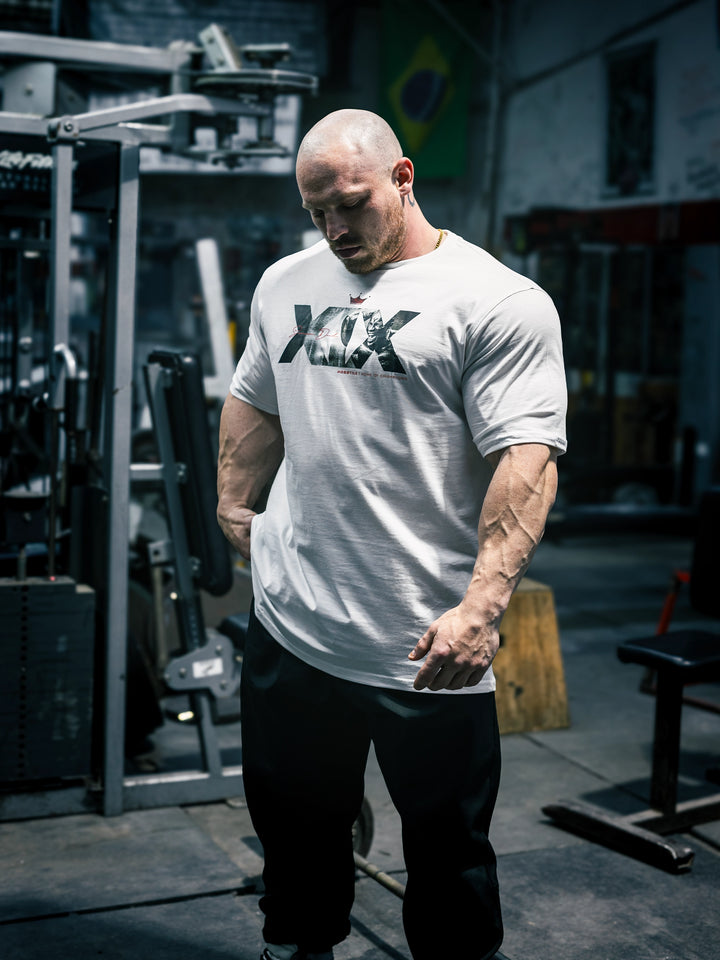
47	630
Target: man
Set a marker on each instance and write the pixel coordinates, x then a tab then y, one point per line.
410	495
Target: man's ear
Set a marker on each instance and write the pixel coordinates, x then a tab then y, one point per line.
403	175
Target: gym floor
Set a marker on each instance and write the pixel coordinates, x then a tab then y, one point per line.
181	882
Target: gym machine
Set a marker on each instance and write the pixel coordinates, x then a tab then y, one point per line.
66	414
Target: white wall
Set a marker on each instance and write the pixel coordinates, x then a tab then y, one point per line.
689	92
543	33
553	152
554	148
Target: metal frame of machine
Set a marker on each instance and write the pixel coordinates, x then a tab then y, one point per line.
246	92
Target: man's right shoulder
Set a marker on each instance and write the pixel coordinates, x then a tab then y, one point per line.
295	263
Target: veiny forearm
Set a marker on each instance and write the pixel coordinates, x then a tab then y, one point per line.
251	448
460	645
519	498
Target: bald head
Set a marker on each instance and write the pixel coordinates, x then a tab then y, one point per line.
359	134
358	188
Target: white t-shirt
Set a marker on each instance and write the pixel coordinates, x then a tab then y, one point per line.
389	387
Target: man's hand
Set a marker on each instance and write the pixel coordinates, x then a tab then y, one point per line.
462	643
235	524
251	448
459	649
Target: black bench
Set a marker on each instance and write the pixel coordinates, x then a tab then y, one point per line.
676	658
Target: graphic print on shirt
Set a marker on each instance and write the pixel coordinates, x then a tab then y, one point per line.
346	337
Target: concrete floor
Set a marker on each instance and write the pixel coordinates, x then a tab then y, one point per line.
180	882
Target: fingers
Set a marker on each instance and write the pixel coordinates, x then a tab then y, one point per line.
454	658
434	673
475	677
243	547
446	676
238	533
428	677
429	674
242	539
466	678
423	645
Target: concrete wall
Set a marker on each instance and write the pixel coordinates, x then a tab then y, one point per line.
554	154
556	127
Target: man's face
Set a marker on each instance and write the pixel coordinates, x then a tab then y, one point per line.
358	210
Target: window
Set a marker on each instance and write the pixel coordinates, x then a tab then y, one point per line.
630	121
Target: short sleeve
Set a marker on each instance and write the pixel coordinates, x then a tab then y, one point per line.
253	380
514	388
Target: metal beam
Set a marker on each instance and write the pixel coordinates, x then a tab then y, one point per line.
92	54
170	789
74	126
61	243
139	133
621	834
118	407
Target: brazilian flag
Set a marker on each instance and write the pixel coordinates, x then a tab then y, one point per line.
426	79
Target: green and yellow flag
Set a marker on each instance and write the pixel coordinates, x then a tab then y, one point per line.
425	85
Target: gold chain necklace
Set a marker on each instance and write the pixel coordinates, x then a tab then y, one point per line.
439	239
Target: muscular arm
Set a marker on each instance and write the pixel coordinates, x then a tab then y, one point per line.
251	448
461	644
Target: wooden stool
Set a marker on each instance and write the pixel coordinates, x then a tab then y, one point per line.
531	692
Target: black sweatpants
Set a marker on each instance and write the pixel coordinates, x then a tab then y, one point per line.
306	737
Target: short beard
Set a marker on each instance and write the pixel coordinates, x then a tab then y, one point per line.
388	248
